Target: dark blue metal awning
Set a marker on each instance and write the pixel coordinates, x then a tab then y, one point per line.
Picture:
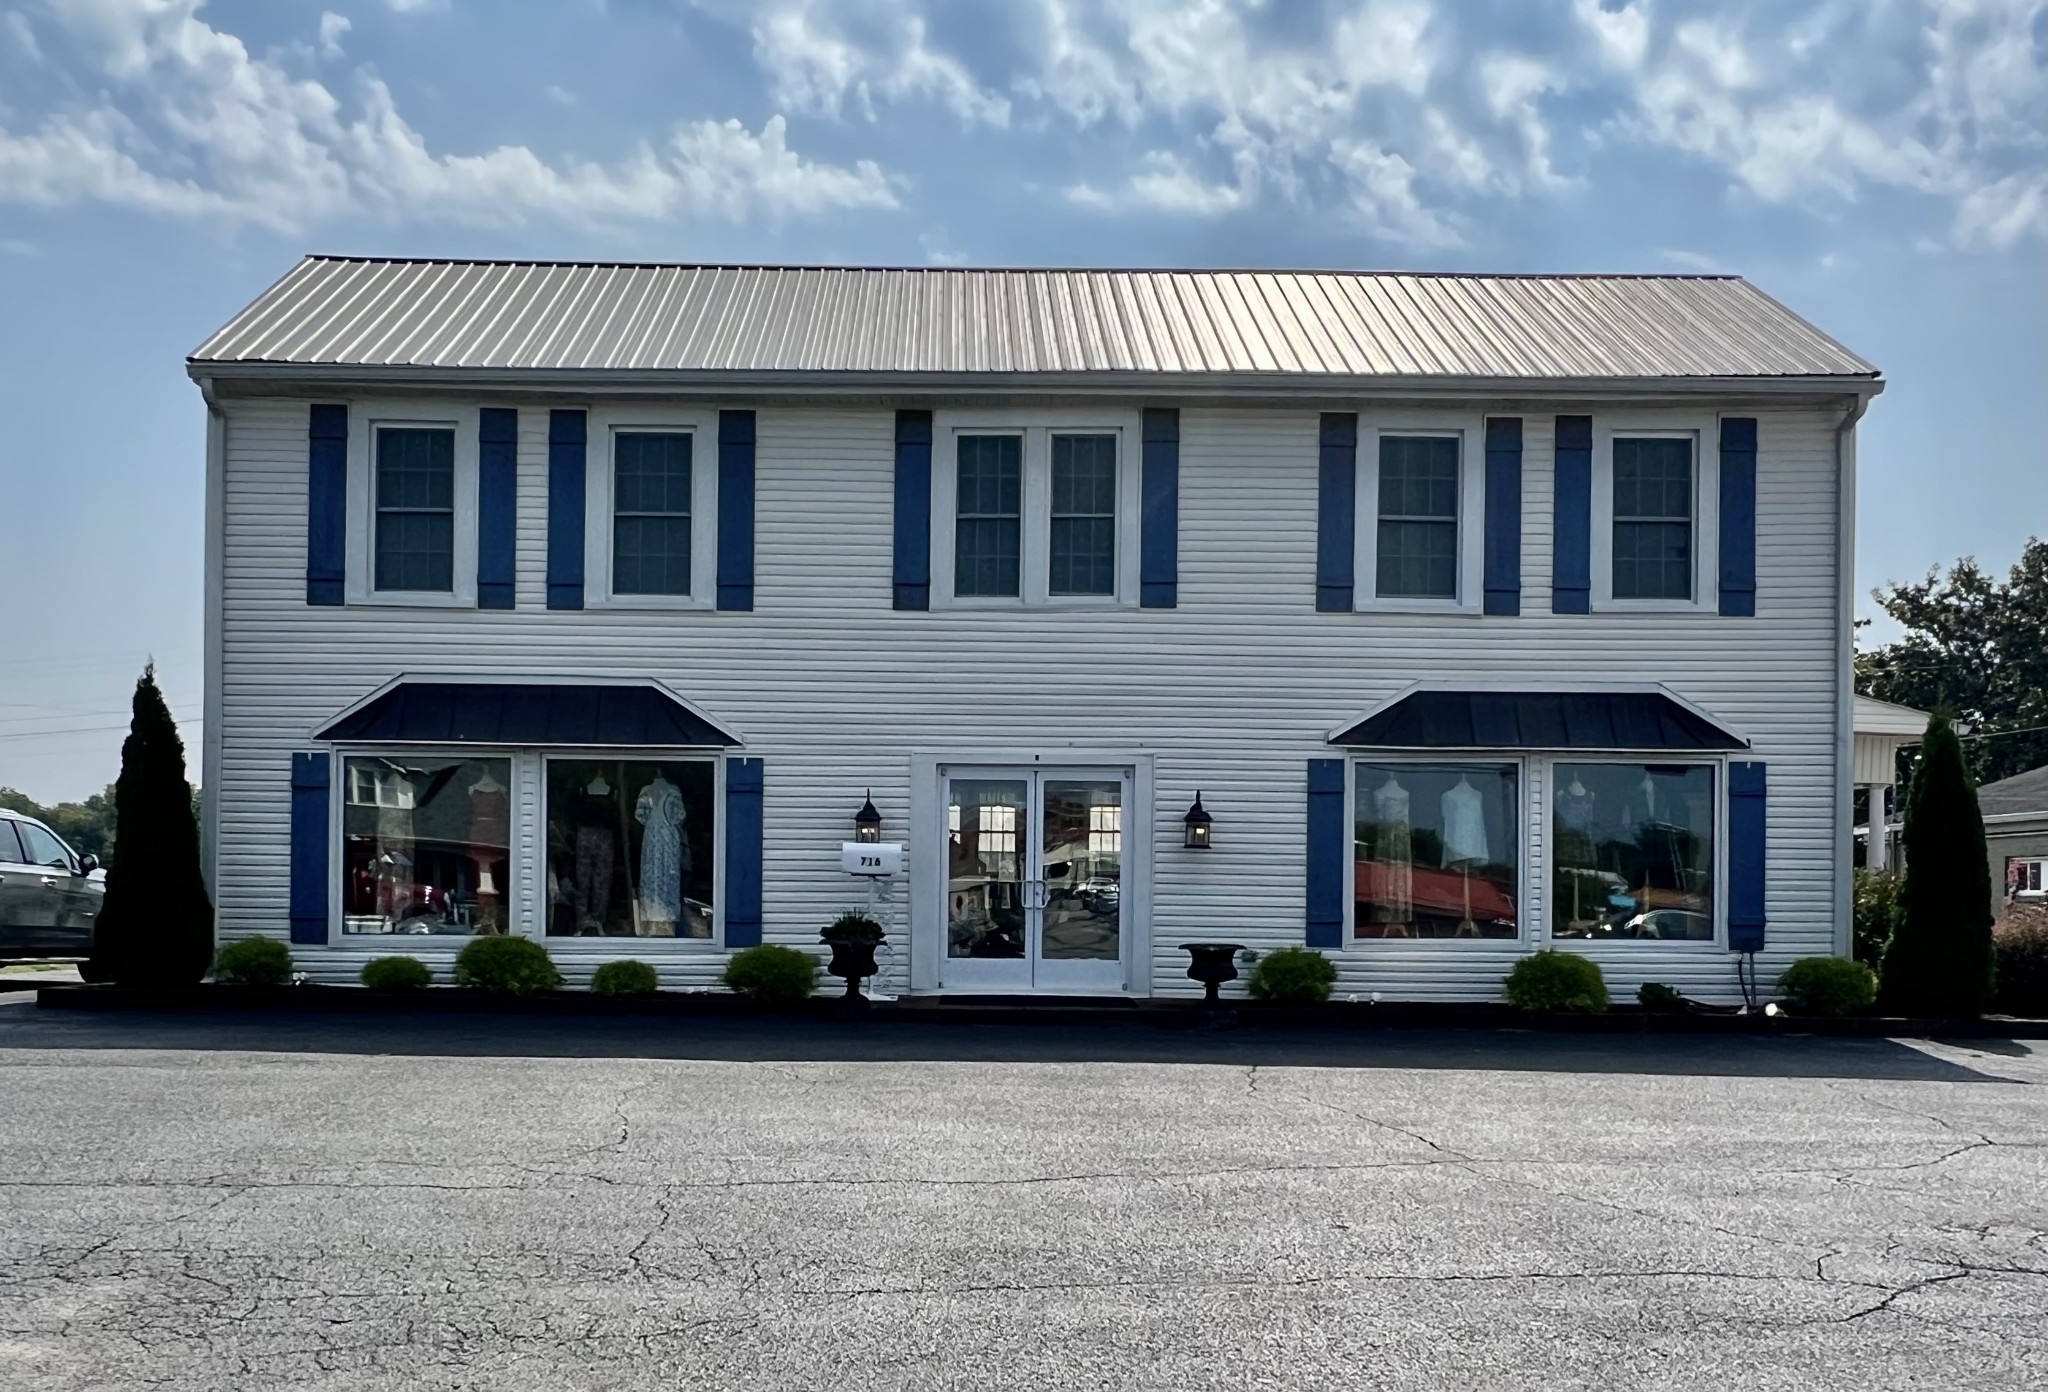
505	713
1538	720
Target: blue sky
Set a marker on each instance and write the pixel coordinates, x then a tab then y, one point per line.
1880	165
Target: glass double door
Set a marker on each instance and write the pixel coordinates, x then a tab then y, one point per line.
1035	887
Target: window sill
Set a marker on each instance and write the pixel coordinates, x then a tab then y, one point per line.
1654	606
657	603
1033	605
1367	945
411	599
1443	607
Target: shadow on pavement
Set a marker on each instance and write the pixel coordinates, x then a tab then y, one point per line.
740	1040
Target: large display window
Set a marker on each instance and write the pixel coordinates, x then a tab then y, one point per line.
426	844
631	848
1633	852
1436	850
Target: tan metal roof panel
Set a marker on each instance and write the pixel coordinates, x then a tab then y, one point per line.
1254	324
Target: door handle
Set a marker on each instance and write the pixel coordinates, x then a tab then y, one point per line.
49	883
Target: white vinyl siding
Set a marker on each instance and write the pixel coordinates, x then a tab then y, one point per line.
1231	692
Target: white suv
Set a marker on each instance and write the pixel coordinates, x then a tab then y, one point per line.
49	897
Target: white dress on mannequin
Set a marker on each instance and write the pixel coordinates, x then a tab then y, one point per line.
1464	824
1396	906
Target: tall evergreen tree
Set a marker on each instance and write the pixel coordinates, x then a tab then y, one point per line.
156	927
1940	958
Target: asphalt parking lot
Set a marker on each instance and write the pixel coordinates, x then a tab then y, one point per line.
488	1202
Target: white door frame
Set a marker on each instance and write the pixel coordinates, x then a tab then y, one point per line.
927	851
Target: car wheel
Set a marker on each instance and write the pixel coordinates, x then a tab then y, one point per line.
91	971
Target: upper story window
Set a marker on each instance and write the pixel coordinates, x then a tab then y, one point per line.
1032	509
415	505
1653	518
1419	533
650	510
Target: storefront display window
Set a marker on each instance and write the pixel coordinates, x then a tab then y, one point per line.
426	844
1436	850
630	846
1633	847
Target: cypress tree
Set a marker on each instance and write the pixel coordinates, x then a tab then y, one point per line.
156	926
1940	960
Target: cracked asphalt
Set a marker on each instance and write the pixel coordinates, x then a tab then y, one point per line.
507	1203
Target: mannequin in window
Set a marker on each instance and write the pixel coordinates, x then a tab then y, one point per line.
1394	906
1464	812
490	836
1576	851
597	849
660	810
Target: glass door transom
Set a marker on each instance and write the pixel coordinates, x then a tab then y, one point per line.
1035	880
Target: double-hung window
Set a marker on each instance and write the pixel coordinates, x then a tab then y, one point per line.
415	499
1420	543
1656	512
412	500
1031	511
650	519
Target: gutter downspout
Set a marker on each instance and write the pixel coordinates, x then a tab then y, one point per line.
210	760
1845	690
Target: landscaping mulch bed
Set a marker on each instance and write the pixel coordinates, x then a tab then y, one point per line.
1330	1015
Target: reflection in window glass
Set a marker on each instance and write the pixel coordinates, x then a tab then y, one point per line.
985	867
1634	851
1436	850
426	844
630	846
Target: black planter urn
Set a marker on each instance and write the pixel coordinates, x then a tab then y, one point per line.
1212	964
853	961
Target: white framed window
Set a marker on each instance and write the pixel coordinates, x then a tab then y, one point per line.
1636	850
1421	513
412	485
425	845
651	510
2027	876
1035	508
633	847
1439	848
1656	513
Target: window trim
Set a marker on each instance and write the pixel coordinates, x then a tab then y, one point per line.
1704	433
599	476
1630	949
1469	430
2039	861
537	905
1528	928
1038	428
365	419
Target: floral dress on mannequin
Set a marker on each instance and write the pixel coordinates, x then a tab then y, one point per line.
660	811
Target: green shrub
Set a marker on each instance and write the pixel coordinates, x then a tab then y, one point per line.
854	928
1551	980
1877	908
772	975
254	962
1659	999
1828	986
2022	964
511	966
396	974
625	979
1939	962
1293	974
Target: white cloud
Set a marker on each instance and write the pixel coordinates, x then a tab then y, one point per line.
1622	35
332	27
185	121
406	7
559	95
21	34
1163	183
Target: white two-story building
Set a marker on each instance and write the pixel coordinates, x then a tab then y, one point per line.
593	603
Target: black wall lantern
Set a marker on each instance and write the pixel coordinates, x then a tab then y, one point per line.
867	823
1198	822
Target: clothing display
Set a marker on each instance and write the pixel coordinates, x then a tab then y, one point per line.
591	881
1395	904
1464	812
660	810
490	837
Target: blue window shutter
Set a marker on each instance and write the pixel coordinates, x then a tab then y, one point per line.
1159	532
1746	840
1504	515
1571	579
742	888
497	485
913	510
568	432
326	504
1336	511
1329	846
309	848
1738	516
735	509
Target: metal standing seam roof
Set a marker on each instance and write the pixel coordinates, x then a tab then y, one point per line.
728	320
1636	720
435	712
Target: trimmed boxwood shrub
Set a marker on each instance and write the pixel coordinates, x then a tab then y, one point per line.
1828	986
772	975
253	962
396	974
1293	975
511	966
1659	999
626	978
1553	980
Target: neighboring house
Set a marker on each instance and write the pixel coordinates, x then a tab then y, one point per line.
590	602
1882	729
2016	834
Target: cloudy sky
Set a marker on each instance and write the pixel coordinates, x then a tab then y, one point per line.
1880	165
